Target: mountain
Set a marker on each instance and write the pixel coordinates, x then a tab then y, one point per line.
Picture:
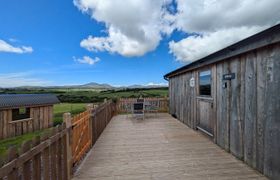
97	86
94	85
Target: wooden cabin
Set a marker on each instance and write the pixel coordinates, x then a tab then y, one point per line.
23	113
233	97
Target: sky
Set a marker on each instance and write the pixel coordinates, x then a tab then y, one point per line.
119	42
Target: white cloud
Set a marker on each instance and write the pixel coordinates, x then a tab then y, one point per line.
198	46
219	23
20	79
134	27
6	47
211	15
87	60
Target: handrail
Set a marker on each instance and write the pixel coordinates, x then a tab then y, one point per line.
21	120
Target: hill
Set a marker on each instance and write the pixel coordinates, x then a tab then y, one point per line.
91	85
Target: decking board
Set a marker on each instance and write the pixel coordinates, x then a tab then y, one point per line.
160	147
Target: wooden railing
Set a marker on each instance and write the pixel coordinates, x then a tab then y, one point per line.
101	116
20	127
124	105
81	135
54	155
43	158
87	127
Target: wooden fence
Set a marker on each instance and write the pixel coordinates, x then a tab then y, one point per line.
101	116
87	127
54	155
81	135
124	105
42	158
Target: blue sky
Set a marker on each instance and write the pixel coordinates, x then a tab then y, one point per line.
120	42
54	30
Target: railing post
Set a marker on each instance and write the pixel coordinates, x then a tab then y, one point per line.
68	123
90	109
105	110
94	124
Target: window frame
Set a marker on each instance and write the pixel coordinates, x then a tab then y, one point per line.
211	84
17	115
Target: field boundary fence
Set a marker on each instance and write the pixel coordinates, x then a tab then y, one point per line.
124	105
55	154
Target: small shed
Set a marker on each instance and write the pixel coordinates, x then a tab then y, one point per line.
232	96
23	113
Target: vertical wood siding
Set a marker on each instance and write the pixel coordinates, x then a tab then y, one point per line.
182	99
246	113
40	118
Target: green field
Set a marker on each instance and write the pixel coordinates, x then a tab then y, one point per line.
99	96
17	142
59	109
74	101
90	95
73	108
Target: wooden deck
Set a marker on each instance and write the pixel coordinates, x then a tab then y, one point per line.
159	148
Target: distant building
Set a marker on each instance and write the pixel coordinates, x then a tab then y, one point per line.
232	96
23	113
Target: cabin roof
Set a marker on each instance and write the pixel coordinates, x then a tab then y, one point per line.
9	101
264	38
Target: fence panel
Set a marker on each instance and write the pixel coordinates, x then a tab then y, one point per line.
53	155
124	105
87	127
101	116
81	139
27	163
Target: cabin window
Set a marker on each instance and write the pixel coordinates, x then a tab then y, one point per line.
205	83
21	113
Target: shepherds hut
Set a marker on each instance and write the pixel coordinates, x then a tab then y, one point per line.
23	113
232	96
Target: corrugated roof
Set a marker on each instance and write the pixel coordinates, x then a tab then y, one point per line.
8	101
264	38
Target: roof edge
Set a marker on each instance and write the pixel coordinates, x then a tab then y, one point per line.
261	39
10	101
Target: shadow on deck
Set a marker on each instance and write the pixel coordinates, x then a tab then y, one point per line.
159	147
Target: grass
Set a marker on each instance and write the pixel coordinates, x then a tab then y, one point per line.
74	101
92	95
17	141
60	109
133	93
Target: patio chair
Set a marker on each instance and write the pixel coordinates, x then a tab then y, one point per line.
138	110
